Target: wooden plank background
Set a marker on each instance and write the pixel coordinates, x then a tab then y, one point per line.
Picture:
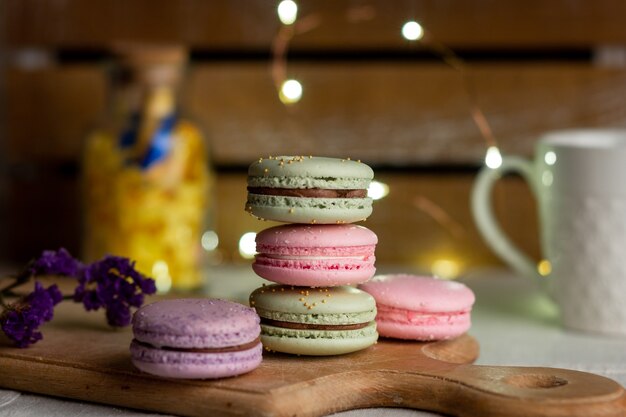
400	114
367	94
252	24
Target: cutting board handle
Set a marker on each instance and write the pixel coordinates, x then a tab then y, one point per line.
489	391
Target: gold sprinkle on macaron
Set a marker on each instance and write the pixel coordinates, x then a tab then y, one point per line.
291	210
324	301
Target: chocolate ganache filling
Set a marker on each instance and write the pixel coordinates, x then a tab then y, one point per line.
307	326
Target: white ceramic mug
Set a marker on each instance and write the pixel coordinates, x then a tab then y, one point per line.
579	180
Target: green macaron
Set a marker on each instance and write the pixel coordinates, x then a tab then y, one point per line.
307	189
315	321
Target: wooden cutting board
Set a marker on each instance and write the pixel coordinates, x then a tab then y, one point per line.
81	358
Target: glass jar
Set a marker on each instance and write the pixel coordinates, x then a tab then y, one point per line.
146	173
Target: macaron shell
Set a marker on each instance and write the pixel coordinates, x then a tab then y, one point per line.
318	255
334	301
195	323
316	273
307	342
193	365
293	237
309	210
311	167
424	332
406	324
416	293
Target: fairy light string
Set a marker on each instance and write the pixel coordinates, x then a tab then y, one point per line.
290	90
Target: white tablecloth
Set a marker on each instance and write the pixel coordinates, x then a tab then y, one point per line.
513	322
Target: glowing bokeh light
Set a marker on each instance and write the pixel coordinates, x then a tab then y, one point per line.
161	276
544	268
287	12
290	92
247	245
210	240
493	158
547	178
412	31
377	190
445	268
550	158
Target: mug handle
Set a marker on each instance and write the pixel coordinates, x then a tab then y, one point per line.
486	222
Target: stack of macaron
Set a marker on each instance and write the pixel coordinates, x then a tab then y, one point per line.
312	310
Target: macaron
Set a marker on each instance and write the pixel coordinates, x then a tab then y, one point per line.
306	189
196	339
316	255
315	321
420	308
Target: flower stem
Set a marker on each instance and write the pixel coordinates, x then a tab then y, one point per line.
19	280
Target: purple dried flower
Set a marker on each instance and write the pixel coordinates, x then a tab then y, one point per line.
114	284
55	263
22	319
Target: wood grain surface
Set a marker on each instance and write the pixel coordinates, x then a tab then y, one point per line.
382	113
84	360
343	24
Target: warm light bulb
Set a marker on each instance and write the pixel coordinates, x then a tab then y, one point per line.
210	240
445	268
493	158
247	245
287	12
412	31
377	190
290	91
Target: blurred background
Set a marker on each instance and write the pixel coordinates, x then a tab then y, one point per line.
128	126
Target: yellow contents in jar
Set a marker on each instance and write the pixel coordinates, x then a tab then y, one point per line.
154	215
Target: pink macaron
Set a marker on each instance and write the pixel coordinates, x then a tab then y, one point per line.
316	255
420	308
196	339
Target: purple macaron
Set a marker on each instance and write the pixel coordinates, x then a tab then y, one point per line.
196	339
